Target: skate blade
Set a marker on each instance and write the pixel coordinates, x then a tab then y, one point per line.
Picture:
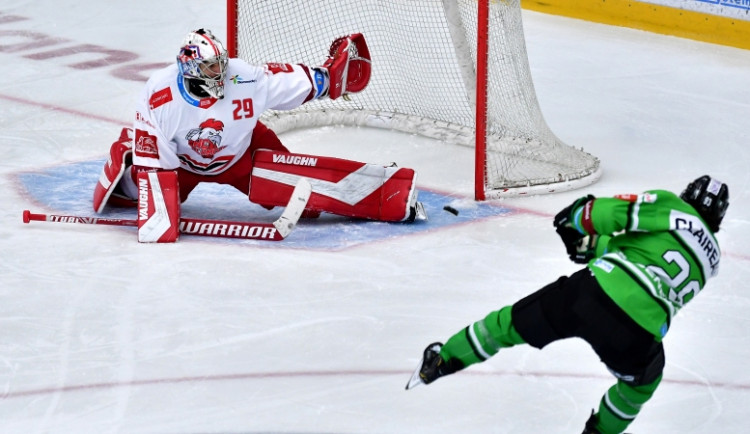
415	379
421	213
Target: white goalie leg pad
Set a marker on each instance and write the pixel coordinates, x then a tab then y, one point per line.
158	207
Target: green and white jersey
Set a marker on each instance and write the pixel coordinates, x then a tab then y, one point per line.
654	254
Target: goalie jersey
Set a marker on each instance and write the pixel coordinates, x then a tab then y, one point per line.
206	136
650	277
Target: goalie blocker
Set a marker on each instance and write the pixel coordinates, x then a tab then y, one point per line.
339	186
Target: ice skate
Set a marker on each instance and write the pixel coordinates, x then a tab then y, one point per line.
429	368
417	212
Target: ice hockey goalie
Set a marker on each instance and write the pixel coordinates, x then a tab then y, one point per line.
199	118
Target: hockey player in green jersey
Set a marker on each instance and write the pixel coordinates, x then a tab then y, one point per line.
647	256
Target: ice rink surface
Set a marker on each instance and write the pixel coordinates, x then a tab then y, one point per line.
100	334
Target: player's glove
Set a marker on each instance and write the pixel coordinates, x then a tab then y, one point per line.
578	249
585	249
565	217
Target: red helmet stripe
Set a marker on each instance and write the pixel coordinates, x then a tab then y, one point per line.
210	42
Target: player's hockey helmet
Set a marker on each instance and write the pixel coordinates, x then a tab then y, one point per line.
203	60
710	197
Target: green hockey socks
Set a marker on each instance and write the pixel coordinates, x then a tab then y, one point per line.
483	339
621	404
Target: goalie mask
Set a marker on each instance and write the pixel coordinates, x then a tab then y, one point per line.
203	64
710	197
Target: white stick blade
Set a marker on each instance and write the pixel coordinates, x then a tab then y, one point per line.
297	203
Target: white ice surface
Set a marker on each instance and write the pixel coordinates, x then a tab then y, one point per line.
100	334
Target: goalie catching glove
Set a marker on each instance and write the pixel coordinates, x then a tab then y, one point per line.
572	225
348	67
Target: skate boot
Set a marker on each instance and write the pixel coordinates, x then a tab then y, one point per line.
417	212
432	367
590	427
416	208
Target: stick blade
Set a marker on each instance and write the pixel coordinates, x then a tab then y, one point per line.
297	203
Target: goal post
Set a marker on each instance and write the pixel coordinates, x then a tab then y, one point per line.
453	70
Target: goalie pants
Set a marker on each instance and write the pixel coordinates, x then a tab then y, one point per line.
238	176
574	306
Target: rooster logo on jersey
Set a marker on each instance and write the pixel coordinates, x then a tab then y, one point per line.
206	139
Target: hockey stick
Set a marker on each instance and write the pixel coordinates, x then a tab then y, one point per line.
276	231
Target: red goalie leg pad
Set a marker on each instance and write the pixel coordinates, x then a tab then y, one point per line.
158	207
342	187
119	158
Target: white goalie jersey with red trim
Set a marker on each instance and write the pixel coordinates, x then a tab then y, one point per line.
173	129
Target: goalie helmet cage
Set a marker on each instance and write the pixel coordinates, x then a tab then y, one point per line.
444	69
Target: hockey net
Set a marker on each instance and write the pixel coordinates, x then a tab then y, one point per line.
427	79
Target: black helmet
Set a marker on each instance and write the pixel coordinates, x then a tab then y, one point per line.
710	197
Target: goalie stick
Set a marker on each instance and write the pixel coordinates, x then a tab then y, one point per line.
276	231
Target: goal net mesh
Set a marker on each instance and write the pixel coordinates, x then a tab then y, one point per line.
423	80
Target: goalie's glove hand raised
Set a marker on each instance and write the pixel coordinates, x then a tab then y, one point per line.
348	65
564	225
